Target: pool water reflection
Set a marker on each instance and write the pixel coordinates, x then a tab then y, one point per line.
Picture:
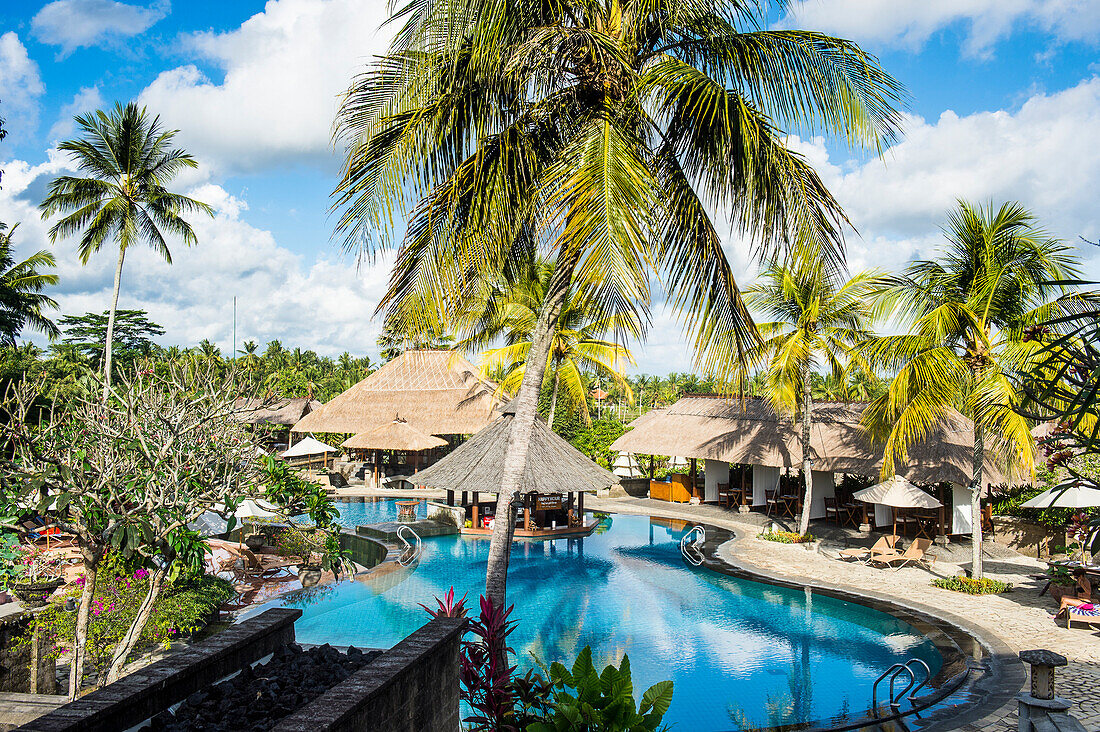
741	653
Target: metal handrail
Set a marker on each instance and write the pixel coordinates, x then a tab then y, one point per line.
690	542
413	549
894	703
891	672
927	677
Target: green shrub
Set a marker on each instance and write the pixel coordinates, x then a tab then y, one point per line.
984	586
183	608
787	537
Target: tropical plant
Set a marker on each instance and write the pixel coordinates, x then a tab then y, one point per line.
131	337
22	301
586	699
509	310
972	586
816	320
600	133
971	316
127	160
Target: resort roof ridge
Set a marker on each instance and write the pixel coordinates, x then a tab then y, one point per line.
746	398
437	392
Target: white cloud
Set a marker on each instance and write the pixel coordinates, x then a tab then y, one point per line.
283	71
88	99
909	23
20	88
324	304
74	24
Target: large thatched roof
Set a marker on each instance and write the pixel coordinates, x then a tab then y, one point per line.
553	465
438	392
749	431
397	435
274	411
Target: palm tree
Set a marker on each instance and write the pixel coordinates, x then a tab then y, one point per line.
127	160
971	314
601	133
510	311
816	320
21	285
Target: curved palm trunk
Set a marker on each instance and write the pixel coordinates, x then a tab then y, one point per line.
108	346
137	627
976	501
554	398
519	438
807	413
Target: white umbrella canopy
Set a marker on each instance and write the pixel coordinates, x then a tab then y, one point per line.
897	492
251	508
308	446
1066	496
209	524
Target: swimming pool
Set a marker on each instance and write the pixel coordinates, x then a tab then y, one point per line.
741	653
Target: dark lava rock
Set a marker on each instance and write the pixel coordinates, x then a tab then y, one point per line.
258	697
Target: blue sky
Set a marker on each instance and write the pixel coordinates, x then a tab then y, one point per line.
1005	104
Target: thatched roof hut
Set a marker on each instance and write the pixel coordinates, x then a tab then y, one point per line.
553	465
438	392
749	431
285	412
397	435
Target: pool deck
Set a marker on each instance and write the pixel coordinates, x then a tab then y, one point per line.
1021	619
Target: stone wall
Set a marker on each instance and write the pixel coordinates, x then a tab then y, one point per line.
145	693
1025	537
444	514
413	687
24	667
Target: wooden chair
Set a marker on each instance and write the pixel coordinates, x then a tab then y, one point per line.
771	500
832	511
884	545
915	553
725	495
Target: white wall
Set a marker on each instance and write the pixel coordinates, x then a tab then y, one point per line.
762	478
714	472
823	487
961	521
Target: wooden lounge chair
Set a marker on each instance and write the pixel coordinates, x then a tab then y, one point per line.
251	565
1082	616
884	545
916	552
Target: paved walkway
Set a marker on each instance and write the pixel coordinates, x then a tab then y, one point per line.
1020	618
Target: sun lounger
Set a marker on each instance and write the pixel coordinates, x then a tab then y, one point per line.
250	564
884	545
1081	615
915	553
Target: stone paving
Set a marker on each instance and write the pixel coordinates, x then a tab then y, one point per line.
1021	618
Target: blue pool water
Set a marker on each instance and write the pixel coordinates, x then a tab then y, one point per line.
741	653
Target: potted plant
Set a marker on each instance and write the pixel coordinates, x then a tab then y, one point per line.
11	565
39	577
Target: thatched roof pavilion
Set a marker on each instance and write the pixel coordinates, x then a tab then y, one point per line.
438	392
553	465
749	431
551	492
284	412
397	435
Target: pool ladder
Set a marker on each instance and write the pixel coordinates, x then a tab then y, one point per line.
691	545
410	552
891	674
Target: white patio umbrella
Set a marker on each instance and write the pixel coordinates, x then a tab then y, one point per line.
253	509
308	448
1072	495
897	492
209	524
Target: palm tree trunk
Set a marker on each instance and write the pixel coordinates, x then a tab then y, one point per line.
807	412
554	398
83	620
519	437
976	501
108	346
137	627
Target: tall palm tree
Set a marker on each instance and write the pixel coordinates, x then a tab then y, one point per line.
817	320
127	161
22	301
510	310
601	132
971	314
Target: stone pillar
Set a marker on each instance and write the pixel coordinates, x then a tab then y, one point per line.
1041	698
